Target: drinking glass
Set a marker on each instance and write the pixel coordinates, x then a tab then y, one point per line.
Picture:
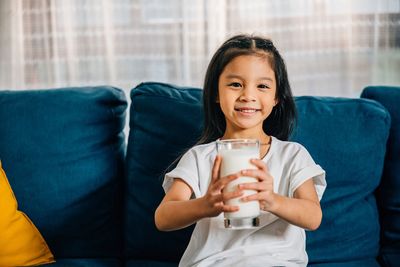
236	155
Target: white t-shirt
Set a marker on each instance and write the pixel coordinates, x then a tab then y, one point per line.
275	242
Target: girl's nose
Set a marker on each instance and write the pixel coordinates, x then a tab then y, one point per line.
247	95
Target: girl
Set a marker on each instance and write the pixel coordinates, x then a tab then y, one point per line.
246	95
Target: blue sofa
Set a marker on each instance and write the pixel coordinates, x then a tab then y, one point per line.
92	195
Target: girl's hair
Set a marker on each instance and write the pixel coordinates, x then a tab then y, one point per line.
282	119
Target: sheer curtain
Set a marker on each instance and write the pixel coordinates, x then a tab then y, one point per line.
330	47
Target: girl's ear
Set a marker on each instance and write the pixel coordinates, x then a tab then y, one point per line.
217	99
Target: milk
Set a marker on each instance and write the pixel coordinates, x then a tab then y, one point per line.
236	155
234	161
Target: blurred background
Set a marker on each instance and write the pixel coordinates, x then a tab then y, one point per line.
331	47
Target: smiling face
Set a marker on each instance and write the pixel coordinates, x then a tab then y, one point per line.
246	94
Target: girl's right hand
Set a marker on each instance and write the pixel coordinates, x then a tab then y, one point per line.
215	198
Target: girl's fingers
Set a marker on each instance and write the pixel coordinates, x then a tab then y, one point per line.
259	174
227	208
222	182
223	197
259	164
258	196
253	186
233	194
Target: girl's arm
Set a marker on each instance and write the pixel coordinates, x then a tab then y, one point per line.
303	210
177	210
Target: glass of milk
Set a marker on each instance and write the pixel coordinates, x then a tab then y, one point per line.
236	155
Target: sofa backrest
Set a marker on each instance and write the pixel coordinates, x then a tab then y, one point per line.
164	121
388	194
346	137
63	151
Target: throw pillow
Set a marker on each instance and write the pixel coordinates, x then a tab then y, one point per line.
21	243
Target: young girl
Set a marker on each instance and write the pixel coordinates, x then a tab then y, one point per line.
246	95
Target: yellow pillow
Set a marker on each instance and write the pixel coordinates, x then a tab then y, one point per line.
21	244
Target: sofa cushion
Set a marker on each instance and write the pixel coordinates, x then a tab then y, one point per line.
63	150
347	138
21	244
164	121
389	190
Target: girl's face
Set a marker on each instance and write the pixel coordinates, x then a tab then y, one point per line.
246	94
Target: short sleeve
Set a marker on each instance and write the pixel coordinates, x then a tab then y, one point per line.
305	168
187	170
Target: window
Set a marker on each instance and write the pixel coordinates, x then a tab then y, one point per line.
330	47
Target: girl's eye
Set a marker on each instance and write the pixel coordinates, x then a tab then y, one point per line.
263	86
235	85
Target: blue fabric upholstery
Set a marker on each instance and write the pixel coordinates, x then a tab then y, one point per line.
347	137
389	190
164	121
150	263
63	150
356	263
86	263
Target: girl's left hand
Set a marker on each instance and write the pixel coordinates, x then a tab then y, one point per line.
264	186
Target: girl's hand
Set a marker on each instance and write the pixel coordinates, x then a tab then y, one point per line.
264	186
214	199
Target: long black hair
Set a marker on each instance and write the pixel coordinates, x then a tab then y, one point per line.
282	119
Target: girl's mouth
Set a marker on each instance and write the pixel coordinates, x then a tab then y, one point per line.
247	110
